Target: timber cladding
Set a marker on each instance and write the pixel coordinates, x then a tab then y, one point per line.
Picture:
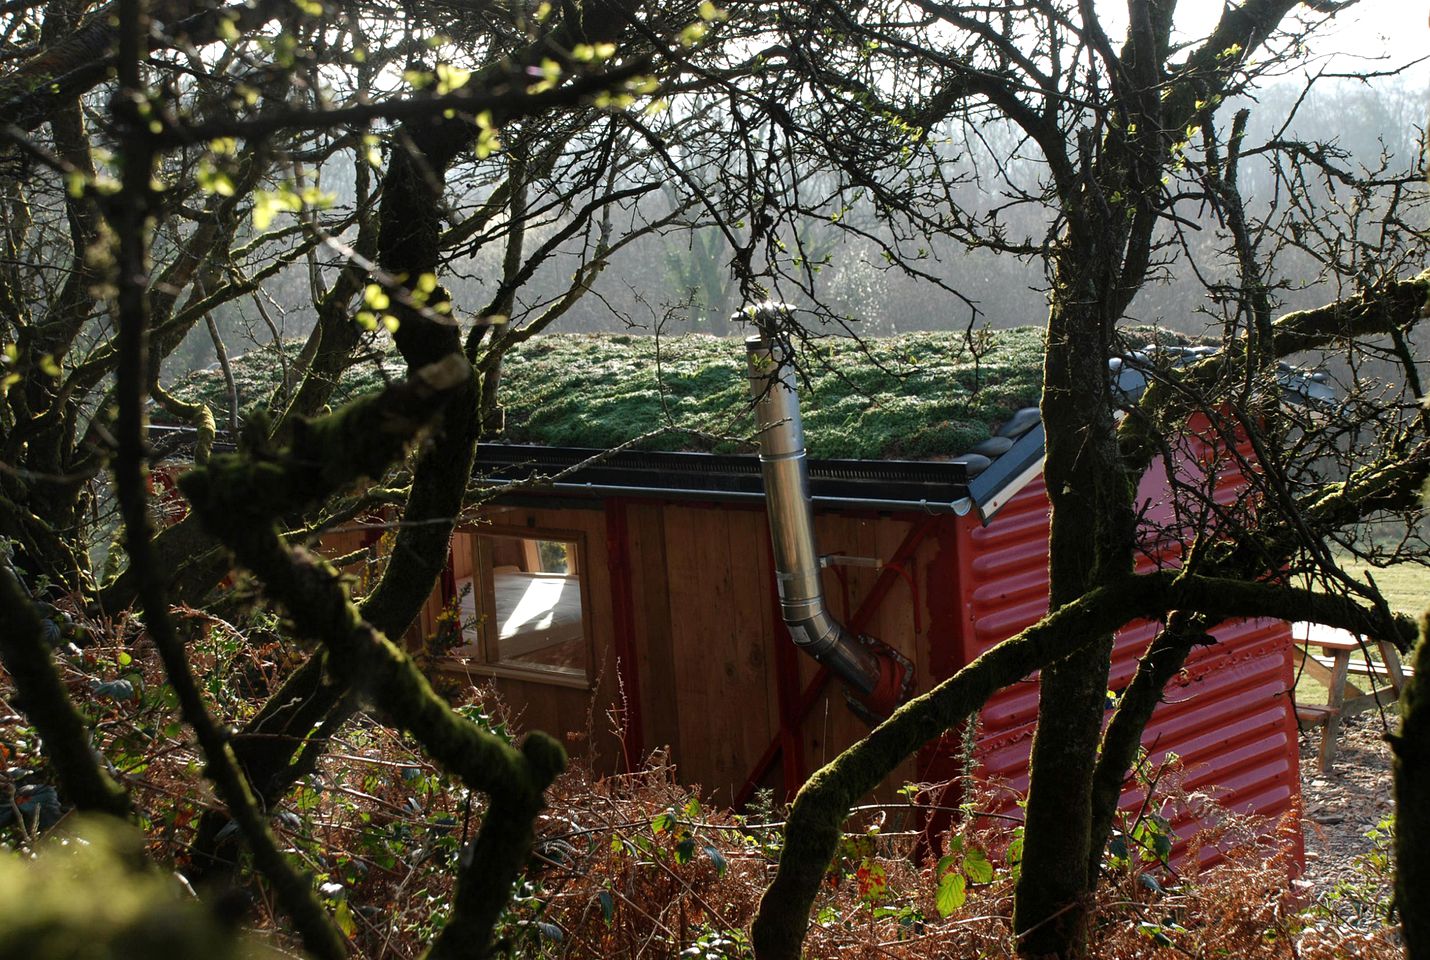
706	636
687	648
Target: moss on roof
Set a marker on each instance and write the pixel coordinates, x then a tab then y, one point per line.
913	396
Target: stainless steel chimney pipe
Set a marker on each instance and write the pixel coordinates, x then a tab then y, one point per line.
786	477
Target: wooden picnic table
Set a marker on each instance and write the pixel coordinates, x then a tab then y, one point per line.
1334	667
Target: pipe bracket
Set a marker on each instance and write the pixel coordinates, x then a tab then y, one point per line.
895	686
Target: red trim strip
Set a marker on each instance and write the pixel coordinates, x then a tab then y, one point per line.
618	562
790	721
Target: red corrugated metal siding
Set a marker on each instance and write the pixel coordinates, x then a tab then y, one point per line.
1228	717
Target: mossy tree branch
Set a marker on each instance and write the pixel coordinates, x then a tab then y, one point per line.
1395	305
238	499
42	696
131	213
813	829
1121	740
409	244
1392	308
196	414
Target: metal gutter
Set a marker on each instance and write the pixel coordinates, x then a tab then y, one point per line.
893	486
604	490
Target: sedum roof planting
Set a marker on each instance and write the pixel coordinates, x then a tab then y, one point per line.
912	396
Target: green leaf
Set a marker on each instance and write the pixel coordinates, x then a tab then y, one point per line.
952	893
451	78
213	180
1015	851
976	865
717	858
344	916
115	690
693	34
685	850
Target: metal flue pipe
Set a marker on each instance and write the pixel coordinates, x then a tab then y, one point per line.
786	476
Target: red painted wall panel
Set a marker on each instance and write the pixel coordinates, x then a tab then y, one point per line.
1228	716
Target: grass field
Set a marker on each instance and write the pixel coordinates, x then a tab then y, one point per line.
1406	586
1407	589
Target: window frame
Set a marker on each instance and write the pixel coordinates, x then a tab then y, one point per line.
485	660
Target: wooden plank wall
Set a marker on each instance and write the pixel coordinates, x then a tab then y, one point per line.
705	629
831	725
720	623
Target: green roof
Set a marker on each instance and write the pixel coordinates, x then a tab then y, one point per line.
913	396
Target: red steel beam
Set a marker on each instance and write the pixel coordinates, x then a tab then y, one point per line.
618	562
792	717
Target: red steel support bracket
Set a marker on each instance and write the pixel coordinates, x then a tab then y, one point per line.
618	562
888	576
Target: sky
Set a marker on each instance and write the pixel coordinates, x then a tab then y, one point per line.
1396	29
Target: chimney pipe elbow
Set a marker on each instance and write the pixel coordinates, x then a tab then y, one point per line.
791	518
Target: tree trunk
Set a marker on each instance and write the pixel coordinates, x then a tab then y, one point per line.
1412	804
1089	544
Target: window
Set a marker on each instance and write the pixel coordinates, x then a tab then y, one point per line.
523	609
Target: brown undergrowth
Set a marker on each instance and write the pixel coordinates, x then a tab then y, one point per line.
636	865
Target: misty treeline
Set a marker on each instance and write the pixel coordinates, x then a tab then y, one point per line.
680	278
463	176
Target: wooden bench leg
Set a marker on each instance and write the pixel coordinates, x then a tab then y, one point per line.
1330	733
1390	657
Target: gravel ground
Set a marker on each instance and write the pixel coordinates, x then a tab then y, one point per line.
1342	806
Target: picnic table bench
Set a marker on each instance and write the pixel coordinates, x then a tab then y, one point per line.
1334	666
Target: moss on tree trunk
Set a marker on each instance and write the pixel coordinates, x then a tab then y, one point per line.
1090	542
1412	803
